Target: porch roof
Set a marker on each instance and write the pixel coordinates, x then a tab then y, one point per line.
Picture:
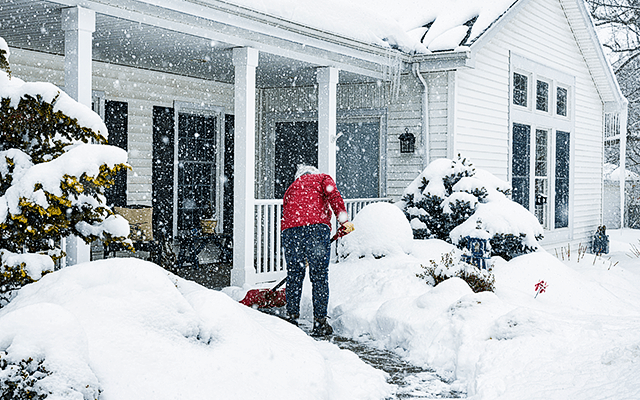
196	39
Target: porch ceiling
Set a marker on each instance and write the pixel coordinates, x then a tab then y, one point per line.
36	25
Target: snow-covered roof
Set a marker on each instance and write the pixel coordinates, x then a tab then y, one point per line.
413	26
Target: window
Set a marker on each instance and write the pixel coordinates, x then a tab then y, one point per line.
540	147
562	179
520	89
520	161
541	210
561	102
196	167
542	96
188	161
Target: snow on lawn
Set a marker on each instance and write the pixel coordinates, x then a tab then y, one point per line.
577	340
133	330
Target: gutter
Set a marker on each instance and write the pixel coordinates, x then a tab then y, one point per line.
425	114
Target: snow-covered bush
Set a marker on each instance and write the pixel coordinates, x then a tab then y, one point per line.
479	280
44	354
381	229
54	168
449	197
19	380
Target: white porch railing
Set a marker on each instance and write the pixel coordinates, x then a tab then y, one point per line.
269	260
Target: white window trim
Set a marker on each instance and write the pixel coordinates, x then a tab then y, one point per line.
544	120
209	110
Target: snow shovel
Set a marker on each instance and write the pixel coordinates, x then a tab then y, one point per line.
268	298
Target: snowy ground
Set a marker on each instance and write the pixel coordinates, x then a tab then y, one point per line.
134	331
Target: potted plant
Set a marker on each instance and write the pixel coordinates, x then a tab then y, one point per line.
208	221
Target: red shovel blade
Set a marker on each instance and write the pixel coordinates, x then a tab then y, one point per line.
265	298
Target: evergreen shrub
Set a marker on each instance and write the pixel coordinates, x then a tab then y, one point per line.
53	175
448	198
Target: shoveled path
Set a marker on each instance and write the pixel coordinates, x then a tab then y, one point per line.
412	382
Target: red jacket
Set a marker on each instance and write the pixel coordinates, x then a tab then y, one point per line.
307	202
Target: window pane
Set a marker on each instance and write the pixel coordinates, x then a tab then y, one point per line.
561	102
520	164
542	179
520	89
562	180
542	96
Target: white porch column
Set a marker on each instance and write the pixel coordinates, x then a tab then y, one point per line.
327	89
245	61
78	24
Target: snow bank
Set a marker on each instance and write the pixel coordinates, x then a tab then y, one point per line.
578	339
149	332
381	229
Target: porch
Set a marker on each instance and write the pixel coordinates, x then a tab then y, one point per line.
213	265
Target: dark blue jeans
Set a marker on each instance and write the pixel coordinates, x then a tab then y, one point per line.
301	244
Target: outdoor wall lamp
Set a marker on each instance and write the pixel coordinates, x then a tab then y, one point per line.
407	142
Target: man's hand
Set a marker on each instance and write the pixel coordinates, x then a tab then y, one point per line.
348	227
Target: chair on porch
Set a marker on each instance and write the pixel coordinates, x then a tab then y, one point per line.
141	232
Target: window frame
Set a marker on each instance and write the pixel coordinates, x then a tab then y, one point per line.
200	110
548	121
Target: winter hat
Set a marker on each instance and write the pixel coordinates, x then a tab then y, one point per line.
306	169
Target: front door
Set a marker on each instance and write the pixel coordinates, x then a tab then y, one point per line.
296	143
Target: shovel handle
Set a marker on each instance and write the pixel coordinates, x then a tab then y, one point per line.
276	287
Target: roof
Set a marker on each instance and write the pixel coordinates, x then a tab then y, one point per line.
412	26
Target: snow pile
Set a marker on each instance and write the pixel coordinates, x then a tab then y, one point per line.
381	229
578	339
132	329
411	26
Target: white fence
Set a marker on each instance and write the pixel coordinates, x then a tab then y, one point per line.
268	257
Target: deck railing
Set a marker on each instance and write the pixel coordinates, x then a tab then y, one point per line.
269	261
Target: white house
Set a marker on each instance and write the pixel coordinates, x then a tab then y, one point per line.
217	101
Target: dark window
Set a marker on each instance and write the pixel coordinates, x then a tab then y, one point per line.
358	155
519	89
196	168
542	96
520	164
296	143
561	102
562	180
116	117
162	170
229	129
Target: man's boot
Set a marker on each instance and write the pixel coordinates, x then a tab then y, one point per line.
321	327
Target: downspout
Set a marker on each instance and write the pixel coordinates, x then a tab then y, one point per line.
425	114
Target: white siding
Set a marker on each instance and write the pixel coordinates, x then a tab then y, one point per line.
142	90
539	32
405	111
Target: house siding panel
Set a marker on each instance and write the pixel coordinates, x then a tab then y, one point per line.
540	33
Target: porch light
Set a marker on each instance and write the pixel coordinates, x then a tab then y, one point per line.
407	142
